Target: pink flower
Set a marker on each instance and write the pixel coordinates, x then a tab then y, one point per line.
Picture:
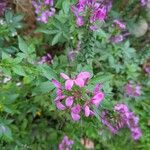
75	112
80	80
132	90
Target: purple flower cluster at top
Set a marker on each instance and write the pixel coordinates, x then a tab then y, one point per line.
132	90
3	6
125	119
92	9
46	59
44	10
65	144
144	2
72	98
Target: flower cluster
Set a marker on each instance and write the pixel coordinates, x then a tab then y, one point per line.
118	26
46	59
44	10
145	2
132	90
3	6
65	144
92	9
74	96
124	118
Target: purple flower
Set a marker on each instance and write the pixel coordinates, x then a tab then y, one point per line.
119	24
132	90
116	39
46	59
98	11
44	10
69	98
66	144
136	133
147	70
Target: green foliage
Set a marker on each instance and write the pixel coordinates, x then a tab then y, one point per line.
29	118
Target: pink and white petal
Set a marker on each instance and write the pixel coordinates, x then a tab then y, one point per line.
79	82
59	92
75	117
60	106
56	83
84	75
64	76
69	101
98	98
87	111
76	109
69	84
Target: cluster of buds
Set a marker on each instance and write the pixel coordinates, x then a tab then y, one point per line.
94	10
132	90
75	97
119	26
123	118
44	10
46	59
66	144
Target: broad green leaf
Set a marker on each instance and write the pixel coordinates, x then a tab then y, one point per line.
18	70
22	45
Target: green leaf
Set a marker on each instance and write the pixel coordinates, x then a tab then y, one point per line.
66	6
22	45
56	38
18	70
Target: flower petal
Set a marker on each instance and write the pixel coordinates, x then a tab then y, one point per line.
98	98
76	109
56	83
87	111
69	101
59	105
79	82
64	76
75	117
84	75
68	85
